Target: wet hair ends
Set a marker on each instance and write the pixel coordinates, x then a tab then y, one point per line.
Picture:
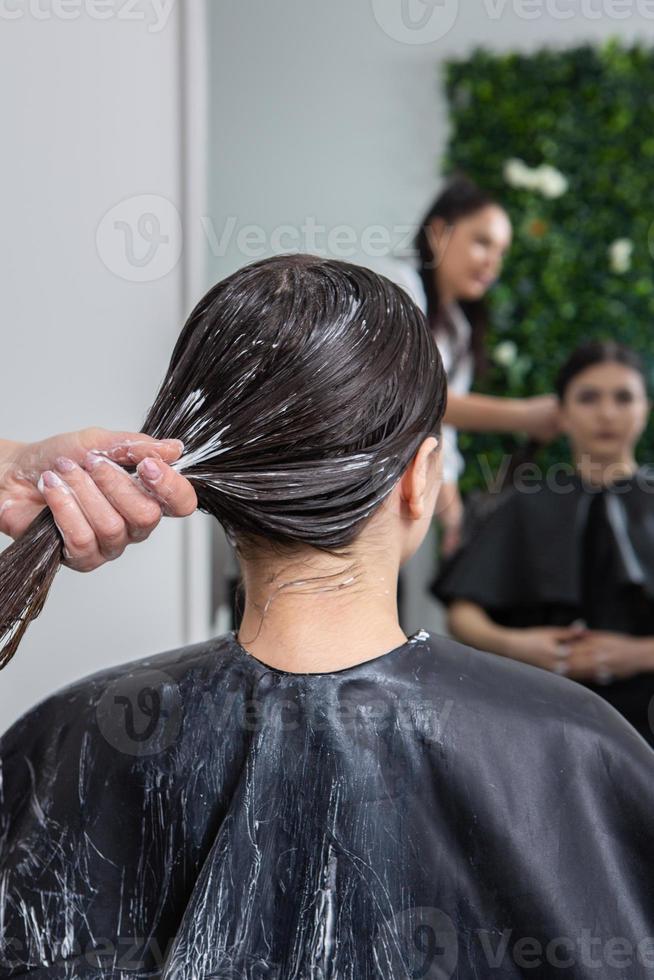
27	570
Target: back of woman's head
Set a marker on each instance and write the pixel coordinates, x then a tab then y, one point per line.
301	388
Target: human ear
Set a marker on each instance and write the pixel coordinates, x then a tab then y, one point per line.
415	479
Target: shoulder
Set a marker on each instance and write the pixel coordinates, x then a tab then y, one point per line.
72	711
514	704
523	498
489	514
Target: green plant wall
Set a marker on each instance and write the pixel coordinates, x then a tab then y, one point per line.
565	139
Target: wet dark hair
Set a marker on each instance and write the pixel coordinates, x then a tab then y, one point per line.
301	387
597	352
460	198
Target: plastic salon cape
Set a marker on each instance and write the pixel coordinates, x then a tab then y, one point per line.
563	551
435	812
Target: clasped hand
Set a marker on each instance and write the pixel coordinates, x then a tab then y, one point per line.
584	654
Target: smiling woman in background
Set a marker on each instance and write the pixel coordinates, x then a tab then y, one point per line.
460	246
561	574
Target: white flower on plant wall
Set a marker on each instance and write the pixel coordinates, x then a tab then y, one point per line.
544	179
517	173
552	181
505	353
620	254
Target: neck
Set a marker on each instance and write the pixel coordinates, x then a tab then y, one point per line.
297	624
601	472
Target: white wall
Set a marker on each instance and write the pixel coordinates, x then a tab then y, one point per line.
91	117
332	113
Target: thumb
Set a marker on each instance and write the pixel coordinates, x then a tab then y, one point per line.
130	447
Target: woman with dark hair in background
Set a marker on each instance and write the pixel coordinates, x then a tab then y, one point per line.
460	246
561	574
317	794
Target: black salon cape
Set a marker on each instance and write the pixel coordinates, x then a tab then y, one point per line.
559	550
435	812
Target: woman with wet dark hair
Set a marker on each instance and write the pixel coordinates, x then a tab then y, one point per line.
317	794
561	574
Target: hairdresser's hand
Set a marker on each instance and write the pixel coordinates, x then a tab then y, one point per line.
98	507
541	417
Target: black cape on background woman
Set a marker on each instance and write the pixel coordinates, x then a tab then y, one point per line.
563	550
435	812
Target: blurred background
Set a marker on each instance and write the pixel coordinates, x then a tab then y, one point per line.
151	148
